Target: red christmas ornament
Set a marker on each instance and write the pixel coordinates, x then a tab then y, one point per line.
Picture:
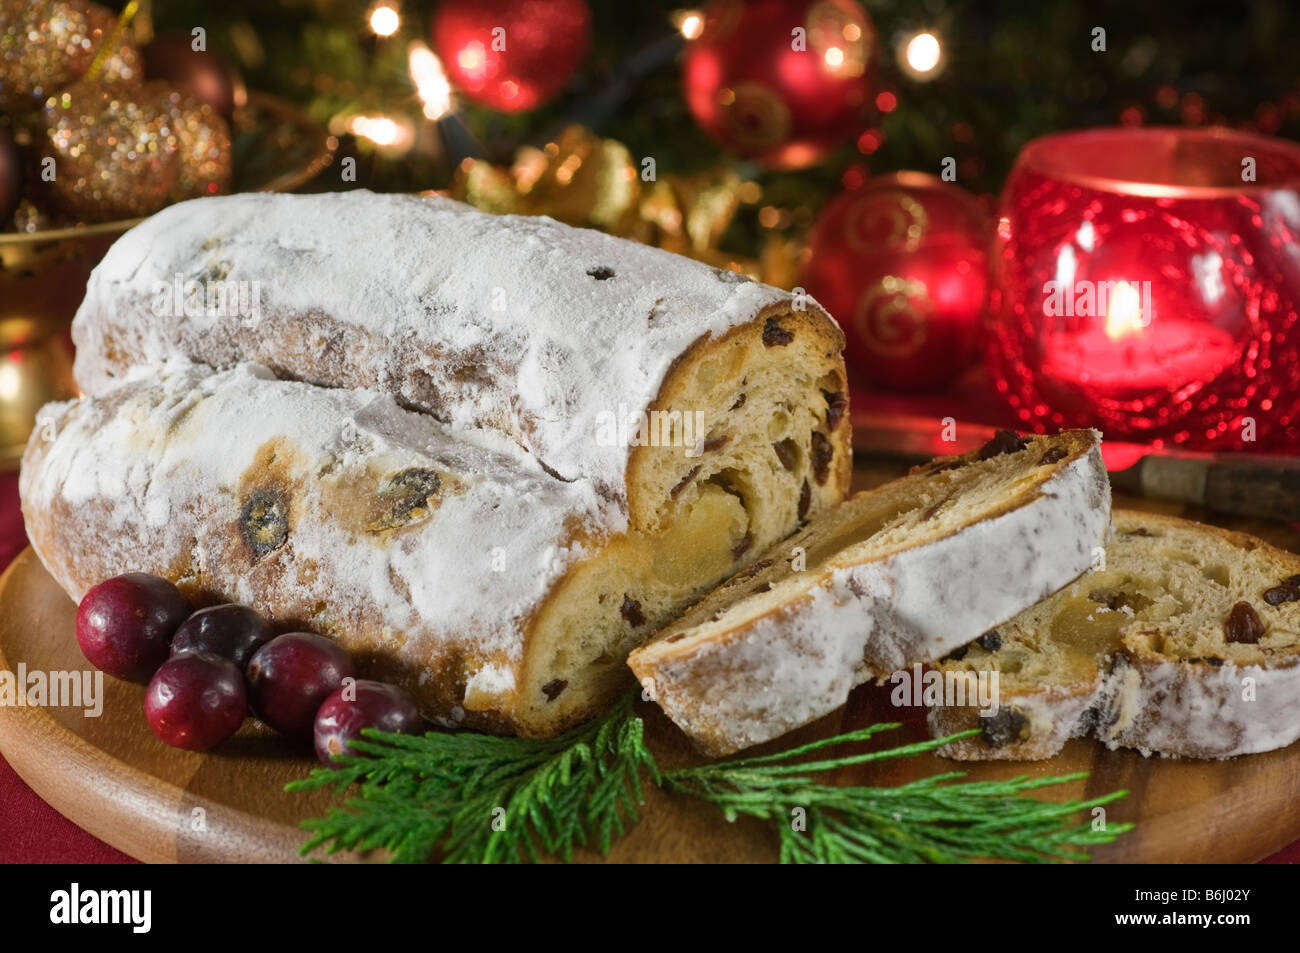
511	55
204	73
781	81
1147	283
903	266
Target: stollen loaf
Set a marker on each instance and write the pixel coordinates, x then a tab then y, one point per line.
554	336
488	455
452	565
901	574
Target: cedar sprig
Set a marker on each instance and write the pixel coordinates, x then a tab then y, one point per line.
469	798
482	799
924	821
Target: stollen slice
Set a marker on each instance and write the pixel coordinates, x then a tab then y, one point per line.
1186	641
904	573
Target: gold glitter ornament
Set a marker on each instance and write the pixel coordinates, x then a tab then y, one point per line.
201	138
114	151
44	46
121	64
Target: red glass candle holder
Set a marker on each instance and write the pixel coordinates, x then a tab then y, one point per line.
1146	282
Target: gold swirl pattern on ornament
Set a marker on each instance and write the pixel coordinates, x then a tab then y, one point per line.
756	117
885	219
893	316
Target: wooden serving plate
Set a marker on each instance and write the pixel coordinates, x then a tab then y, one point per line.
111	776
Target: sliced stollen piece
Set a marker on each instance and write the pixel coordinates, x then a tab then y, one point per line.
1186	642
452	563
903	573
601	357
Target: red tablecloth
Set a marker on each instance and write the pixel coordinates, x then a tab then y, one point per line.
33	832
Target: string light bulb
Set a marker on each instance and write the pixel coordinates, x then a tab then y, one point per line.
921	55
430	79
389	135
690	23
384	19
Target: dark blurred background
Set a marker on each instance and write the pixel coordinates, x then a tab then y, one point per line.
1010	71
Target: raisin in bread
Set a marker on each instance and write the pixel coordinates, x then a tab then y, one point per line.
449	562
903	573
1186	641
554	336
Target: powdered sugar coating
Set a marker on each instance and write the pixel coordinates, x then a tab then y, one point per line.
1198	710
508	325
783	671
153	476
1176	708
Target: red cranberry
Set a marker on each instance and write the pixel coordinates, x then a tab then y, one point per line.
124	624
231	631
359	704
196	701
291	675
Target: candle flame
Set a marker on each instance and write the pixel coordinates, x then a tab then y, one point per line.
1124	312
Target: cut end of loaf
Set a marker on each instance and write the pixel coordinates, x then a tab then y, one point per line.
767	408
